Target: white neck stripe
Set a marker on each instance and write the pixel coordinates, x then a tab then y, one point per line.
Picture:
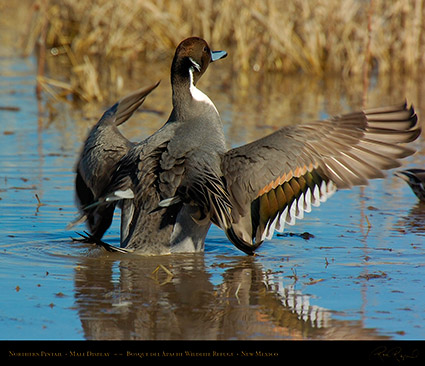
195	64
197	94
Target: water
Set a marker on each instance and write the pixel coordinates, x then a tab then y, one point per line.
360	274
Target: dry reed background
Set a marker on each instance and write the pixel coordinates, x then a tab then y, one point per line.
314	37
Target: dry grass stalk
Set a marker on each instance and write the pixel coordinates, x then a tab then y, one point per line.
107	37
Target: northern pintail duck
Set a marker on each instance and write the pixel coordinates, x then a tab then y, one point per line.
183	177
102	150
415	178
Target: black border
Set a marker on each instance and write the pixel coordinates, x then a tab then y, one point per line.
320	352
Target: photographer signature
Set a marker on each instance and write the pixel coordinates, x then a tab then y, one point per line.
396	353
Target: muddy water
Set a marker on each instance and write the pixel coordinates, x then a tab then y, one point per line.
352	269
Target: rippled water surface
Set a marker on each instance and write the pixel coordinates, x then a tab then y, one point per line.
358	272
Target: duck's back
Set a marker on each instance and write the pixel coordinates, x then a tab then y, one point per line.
165	166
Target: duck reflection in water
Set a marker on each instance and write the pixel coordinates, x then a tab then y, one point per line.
122	297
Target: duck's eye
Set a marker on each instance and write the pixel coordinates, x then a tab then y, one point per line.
205	49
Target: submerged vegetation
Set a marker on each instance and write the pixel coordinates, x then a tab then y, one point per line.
349	38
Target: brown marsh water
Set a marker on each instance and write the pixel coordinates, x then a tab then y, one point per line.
358	273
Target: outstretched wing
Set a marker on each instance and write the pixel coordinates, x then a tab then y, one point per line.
102	150
130	103
105	145
274	180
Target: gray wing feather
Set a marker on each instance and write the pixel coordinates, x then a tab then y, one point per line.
102	150
273	180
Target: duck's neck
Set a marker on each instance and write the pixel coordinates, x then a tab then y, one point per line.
188	100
